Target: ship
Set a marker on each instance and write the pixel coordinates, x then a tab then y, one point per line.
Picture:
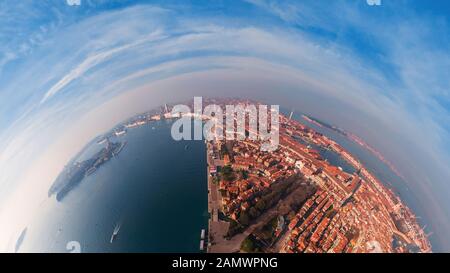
202	240
115	232
101	141
91	171
119	149
120	132
202	234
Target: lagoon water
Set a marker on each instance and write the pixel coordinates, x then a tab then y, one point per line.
155	189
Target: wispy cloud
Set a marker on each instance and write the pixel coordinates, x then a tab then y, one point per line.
91	62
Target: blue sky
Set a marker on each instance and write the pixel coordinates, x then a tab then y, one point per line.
67	72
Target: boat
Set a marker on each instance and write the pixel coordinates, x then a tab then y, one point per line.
91	171
120	133
202	234
115	232
101	141
119	149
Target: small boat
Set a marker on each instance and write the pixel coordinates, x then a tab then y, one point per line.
101	141
186	147
115	232
119	149
202	234
120	133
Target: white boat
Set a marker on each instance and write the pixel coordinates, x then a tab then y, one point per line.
202	234
115	232
101	141
119	149
120	133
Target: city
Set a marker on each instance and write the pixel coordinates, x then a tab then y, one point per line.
340	211
289	200
292	199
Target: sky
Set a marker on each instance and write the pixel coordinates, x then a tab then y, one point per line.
72	69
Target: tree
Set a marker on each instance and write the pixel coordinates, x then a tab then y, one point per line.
244	174
216	180
227	173
243	218
261	205
248	245
233	229
253	212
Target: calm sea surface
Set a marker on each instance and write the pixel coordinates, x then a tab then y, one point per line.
155	190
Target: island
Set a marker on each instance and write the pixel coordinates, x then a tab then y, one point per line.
76	171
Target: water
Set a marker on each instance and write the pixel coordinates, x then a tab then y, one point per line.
332	157
155	189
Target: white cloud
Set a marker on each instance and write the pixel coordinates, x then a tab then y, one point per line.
91	62
79	70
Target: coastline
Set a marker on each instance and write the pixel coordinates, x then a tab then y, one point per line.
217	228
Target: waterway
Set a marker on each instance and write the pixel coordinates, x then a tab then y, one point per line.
155	189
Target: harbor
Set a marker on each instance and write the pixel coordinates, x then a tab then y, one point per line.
160	199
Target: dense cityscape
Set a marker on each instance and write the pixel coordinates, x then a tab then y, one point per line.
293	200
289	200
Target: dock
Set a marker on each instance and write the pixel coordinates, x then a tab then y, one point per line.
217	229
